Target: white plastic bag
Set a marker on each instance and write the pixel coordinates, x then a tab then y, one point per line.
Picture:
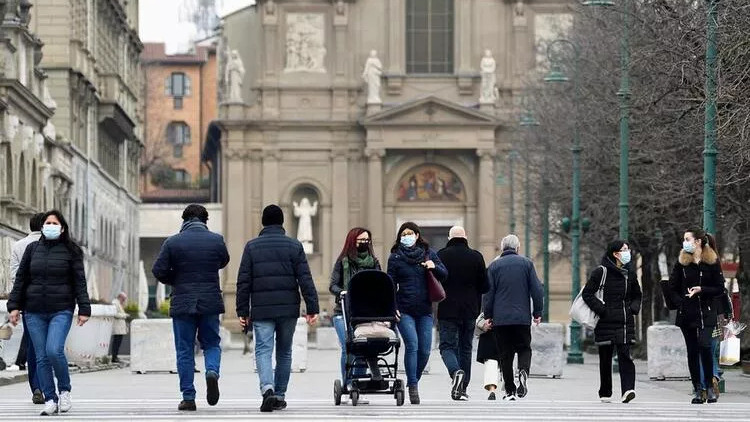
581	312
729	351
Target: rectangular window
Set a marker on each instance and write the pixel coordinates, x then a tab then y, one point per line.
429	36
177	101
178	84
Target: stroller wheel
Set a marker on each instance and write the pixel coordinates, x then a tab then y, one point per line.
337	391
355	397
399	397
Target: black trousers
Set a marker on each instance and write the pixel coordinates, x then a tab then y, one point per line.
116	343
22	351
698	343
512	340
627	368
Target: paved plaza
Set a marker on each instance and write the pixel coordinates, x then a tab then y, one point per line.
120	395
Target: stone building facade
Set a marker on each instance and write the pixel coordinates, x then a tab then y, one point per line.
91	59
180	101
379	111
30	156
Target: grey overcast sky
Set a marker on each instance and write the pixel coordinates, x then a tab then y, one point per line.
159	21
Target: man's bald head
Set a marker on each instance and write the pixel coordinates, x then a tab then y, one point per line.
457	231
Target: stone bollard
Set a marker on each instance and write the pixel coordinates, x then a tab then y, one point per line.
152	346
667	354
327	339
87	345
547	354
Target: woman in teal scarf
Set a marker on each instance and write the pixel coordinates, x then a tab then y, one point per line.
356	255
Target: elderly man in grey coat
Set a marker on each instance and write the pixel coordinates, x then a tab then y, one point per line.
514	285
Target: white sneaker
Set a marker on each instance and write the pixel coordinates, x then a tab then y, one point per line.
511	397
65	402
50	408
13	368
606	399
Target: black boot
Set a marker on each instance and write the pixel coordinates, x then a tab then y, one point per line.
711	396
699	394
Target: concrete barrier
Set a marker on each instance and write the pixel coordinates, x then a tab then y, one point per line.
327	339
89	344
667	354
547	354
152	346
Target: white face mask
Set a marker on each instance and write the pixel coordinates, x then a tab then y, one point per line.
625	257
409	240
688	246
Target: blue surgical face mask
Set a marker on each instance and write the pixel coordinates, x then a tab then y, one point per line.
688	246
625	257
409	240
51	231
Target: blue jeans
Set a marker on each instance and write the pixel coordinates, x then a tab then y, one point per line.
30	357
265	331
340	326
48	332
185	328
715	355
417	334
456	336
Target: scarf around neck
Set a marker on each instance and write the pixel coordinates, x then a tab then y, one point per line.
413	255
363	261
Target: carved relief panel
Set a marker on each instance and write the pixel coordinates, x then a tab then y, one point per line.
305	43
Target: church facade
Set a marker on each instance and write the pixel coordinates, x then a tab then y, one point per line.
373	113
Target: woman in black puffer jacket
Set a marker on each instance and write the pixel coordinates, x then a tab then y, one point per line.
616	326
49	283
694	284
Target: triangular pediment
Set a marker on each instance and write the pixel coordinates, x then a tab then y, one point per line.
429	110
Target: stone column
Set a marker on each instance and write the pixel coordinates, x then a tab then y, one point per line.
271	177
486	203
375	197
396	36
463	30
340	193
522	46
234	222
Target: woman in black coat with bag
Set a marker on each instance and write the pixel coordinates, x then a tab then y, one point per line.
694	284
616	326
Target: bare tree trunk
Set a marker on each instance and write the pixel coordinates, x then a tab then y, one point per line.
647	288
743	280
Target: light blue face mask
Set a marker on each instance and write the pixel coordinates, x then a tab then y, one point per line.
688	246
625	257
51	231
409	240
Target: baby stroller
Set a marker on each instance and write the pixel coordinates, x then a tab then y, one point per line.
371	298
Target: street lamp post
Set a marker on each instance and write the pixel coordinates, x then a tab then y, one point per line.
624	99
710	151
527	121
574	353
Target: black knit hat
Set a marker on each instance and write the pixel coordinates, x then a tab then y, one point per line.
272	215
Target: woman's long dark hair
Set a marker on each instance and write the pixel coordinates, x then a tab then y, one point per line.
350	244
421	242
65	235
614	247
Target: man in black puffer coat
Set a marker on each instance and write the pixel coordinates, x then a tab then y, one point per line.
272	273
467	282
189	262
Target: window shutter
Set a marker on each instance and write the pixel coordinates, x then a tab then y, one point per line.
187	85
170	133
168	86
186	140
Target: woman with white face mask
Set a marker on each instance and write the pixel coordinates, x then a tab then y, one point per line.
49	283
410	259
695	282
615	330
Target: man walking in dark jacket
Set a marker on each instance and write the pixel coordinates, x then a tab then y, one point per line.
272	273
467	281
189	262
513	281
